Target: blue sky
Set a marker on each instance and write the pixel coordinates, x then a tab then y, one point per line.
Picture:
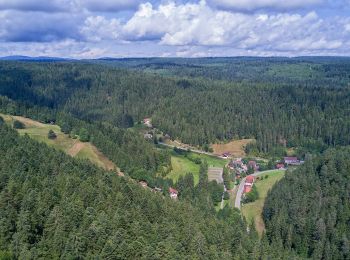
174	28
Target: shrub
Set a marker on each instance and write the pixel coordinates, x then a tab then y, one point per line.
51	135
84	135
18	125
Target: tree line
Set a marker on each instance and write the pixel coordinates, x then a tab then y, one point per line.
308	211
53	206
295	113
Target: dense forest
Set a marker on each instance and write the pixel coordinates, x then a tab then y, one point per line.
309	210
55	207
295	103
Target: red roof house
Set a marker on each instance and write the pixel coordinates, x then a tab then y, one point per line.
173	193
247	189
249	179
280	166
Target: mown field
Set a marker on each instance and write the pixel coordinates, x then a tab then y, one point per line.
253	211
183	163
63	142
235	147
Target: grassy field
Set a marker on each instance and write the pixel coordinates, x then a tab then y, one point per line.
182	164
235	147
63	142
211	160
253	211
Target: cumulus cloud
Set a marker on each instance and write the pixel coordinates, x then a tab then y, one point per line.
173	28
198	24
250	5
98	28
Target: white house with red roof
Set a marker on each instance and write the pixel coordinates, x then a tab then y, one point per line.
173	193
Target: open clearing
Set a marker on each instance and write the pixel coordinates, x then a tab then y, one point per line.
253	211
182	164
63	142
235	147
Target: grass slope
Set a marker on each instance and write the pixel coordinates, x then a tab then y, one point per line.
235	147
182	164
63	142
253	211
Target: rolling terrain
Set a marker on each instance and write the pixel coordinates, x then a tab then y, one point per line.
73	147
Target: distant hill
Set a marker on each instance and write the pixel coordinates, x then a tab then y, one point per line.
28	58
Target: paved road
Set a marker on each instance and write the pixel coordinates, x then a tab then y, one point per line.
241	188
192	150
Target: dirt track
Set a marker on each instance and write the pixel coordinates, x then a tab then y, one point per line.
76	148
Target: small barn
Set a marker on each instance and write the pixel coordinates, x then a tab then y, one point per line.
173	193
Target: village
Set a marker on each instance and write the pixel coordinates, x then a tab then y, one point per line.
242	172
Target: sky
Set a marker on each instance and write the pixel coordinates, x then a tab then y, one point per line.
174	28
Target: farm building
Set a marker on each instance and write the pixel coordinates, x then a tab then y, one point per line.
143	184
173	193
226	155
292	161
280	166
147	122
250	179
215	174
247	188
248	183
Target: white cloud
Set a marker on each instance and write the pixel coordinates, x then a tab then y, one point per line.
250	5
98	28
200	25
170	29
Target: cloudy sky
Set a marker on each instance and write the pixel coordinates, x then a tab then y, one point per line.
174	28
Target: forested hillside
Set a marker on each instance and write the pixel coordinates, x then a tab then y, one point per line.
53	206
293	110
309	210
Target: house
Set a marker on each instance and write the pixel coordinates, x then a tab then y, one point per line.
291	161
148	136
156	189
250	179
143	184
215	174
280	166
173	193
147	122
226	155
247	189
253	165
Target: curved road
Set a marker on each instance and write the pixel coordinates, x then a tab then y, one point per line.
241	188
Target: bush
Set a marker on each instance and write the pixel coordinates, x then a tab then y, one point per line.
84	135
51	135
1	120
65	128
226	195
18	125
